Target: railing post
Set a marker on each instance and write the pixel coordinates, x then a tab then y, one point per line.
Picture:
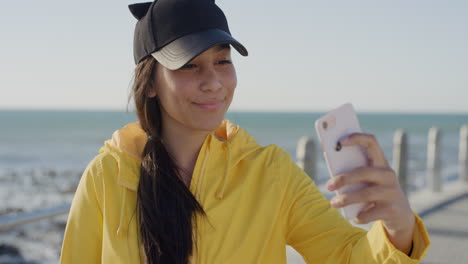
433	160
463	154
305	154
400	158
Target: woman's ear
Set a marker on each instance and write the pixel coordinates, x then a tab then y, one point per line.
151	93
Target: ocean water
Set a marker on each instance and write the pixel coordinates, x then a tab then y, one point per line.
65	141
43	153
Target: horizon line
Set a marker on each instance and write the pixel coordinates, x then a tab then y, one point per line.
365	111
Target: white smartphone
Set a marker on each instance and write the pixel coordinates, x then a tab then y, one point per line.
330	129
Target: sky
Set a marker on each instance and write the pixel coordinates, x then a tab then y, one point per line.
304	55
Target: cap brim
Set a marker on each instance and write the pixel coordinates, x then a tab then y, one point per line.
182	50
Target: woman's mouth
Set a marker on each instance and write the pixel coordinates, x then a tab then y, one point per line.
210	105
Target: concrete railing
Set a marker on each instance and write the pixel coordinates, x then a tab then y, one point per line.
434	160
11	221
400	157
463	154
305	154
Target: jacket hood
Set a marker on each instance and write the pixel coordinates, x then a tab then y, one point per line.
127	144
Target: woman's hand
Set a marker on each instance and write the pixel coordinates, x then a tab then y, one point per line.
385	198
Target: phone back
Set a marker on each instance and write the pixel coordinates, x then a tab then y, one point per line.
340	122
330	129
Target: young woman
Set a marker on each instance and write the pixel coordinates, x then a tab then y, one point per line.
185	186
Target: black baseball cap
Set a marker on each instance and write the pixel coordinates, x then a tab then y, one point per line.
176	31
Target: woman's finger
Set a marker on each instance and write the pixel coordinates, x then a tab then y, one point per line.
384	176
376	213
369	194
371	145
368	206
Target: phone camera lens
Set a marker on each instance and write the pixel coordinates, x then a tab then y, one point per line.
338	146
325	125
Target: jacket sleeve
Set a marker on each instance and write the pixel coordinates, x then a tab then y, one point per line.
83	233
321	235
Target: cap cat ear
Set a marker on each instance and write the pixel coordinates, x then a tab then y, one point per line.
139	10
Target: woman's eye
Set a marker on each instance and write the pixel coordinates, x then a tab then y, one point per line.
188	66
225	62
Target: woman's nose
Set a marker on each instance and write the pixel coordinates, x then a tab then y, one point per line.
210	79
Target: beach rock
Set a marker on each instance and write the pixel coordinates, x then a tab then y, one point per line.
9	250
11	255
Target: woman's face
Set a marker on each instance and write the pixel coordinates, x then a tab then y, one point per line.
197	95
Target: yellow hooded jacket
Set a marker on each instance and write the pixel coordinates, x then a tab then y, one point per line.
256	199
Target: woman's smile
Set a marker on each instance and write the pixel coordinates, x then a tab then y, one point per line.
210	105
